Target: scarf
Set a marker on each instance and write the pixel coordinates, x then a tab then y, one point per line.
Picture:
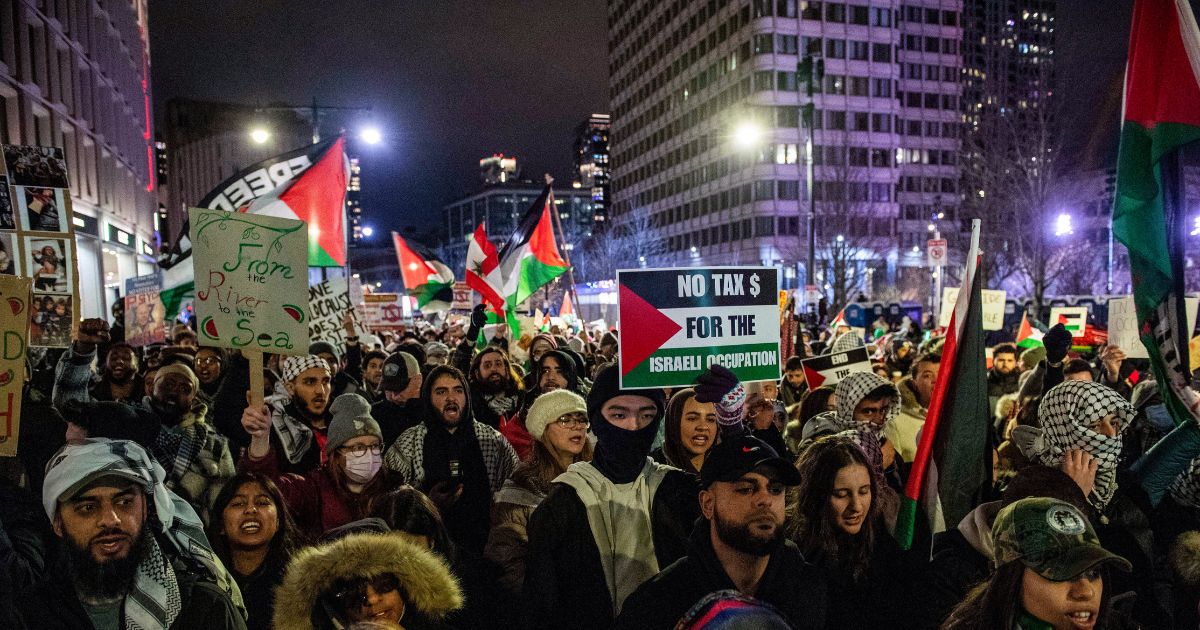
1065	414
153	601
1186	487
294	436
851	390
620	454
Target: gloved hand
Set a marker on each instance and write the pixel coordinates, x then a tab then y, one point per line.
1057	341
715	383
478	320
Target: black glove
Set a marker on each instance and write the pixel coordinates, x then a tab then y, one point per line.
478	320
713	384
1057	341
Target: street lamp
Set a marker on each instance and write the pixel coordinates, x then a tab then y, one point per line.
1062	225
368	231
1196	225
747	135
260	135
371	135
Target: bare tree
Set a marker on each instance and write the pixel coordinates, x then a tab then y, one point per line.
633	240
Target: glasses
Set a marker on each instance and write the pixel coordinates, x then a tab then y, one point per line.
354	595
208	361
573	422
359	450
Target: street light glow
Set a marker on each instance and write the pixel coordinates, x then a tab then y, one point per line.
368	231
840	238
260	135
1062	225
1196	225
747	135
371	135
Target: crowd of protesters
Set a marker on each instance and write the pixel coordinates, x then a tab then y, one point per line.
431	478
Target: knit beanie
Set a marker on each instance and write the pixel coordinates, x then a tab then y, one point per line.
180	369
294	365
550	407
620	454
351	419
317	347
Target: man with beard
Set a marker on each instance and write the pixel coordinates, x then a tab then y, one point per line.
300	417
341	382
1004	377
738	545
400	387
497	394
457	461
73	374
170	422
136	556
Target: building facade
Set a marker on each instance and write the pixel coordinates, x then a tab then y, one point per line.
76	75
591	162
884	133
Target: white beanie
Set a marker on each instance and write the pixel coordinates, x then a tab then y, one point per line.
550	407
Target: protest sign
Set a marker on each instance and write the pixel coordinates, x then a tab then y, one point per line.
1073	317
328	303
993	307
462	297
14	339
677	322
145	317
1123	326
830	369
250	269
37	239
383	310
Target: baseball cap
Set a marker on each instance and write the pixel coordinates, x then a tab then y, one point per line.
1051	537
398	368
735	457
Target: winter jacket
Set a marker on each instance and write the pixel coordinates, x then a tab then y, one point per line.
27	547
258	590
792	585
54	605
288	423
428	588
396	418
508	540
902	431
879	598
999	385
565	586
962	558
406	455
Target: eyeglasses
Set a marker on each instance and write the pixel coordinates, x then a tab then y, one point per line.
354	595
208	361
573	422
358	450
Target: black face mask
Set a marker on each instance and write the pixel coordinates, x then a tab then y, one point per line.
621	454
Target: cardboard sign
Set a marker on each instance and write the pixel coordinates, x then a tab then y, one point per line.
676	322
1073	317
145	317
830	369
462	297
993	307
14	341
37	239
384	310
328	303
251	275
1123	325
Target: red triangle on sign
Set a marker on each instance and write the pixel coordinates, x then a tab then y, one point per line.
813	378
653	329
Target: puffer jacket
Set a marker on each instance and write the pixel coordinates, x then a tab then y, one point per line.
429	589
508	540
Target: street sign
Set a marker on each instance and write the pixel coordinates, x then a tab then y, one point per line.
830	369
1073	317
676	322
936	248
993	307
812	294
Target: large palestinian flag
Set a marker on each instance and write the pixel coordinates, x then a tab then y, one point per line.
1162	114
427	279
953	463
308	184
529	259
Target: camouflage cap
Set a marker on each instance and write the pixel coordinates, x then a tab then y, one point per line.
1051	537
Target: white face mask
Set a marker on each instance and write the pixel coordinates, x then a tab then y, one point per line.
363	468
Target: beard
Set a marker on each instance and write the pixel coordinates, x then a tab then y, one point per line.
105	580
492	386
744	537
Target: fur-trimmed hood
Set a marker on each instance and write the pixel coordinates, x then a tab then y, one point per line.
1185	558
429	587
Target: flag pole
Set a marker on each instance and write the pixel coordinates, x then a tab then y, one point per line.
562	236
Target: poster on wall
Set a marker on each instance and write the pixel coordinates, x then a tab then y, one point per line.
37	239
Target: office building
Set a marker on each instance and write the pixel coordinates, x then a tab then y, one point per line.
591	161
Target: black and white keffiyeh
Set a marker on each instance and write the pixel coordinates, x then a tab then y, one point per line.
1066	414
154	600
852	389
1186	487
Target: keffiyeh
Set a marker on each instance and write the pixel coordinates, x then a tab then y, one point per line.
1066	414
154	600
852	389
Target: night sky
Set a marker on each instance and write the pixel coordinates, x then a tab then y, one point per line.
451	82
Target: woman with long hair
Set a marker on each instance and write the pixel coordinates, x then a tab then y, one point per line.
836	521
1051	573
690	432
252	533
558	422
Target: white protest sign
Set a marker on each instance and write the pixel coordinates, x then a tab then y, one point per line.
328	303
1073	317
251	275
830	369
993	307
384	310
1123	325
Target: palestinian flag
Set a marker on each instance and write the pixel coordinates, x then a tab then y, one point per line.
530	259
427	279
308	184
483	270
1027	335
1162	115
953	463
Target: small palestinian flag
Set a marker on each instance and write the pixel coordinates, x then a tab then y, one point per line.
427	279
1027	335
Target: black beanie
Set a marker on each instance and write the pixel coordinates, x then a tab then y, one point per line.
620	454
